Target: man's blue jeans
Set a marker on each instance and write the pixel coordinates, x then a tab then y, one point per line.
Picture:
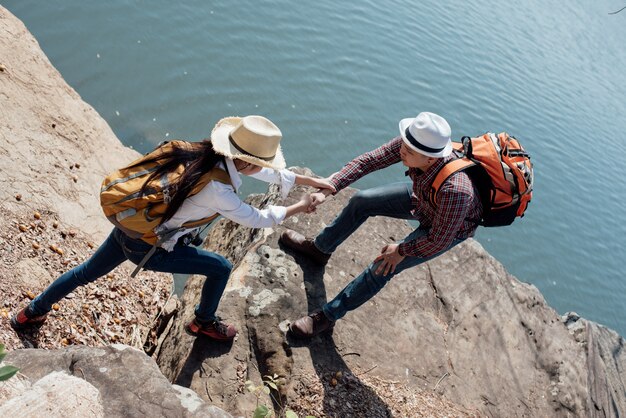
392	200
118	247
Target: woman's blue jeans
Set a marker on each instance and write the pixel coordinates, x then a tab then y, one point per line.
118	247
392	200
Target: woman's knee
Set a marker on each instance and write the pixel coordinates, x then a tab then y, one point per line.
82	277
224	267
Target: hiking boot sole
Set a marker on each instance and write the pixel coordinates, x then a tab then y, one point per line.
189	331
24	327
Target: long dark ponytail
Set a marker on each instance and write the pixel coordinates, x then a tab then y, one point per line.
198	159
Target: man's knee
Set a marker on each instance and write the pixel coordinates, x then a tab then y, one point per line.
361	200
377	280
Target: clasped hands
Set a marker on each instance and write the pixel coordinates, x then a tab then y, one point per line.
317	199
312	200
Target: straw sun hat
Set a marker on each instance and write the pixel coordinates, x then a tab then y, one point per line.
253	139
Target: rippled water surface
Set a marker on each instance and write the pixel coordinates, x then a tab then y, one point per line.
338	76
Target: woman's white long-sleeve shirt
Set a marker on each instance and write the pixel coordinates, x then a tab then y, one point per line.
221	198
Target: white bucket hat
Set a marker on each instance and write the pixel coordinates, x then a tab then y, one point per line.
428	134
253	139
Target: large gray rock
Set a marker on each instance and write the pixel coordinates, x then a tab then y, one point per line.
113	381
459	325
55	395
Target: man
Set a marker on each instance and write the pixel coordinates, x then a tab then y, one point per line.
424	146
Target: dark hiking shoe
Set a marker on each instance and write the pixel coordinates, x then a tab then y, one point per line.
311	325
215	329
24	319
306	246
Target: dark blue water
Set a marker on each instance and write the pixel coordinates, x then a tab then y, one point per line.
337	77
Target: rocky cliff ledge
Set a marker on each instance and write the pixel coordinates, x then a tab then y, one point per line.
457	336
459	327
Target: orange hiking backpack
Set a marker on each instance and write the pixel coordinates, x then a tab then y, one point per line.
137	213
501	170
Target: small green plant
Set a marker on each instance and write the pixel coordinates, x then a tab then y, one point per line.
262	411
6	372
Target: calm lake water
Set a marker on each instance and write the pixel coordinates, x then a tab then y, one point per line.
337	77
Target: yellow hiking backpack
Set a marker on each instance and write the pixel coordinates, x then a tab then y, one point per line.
138	212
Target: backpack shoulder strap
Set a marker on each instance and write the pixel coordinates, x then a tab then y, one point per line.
220	175
451	167
216	174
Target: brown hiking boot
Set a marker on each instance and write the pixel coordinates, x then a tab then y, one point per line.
311	325
306	246
24	319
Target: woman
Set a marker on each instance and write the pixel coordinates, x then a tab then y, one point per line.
248	146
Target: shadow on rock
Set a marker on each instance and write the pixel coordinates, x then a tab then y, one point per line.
201	349
345	395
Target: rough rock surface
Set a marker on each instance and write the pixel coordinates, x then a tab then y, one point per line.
56	394
459	326
606	364
54	148
54	152
112	381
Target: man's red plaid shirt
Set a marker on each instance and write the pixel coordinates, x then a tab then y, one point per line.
455	216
